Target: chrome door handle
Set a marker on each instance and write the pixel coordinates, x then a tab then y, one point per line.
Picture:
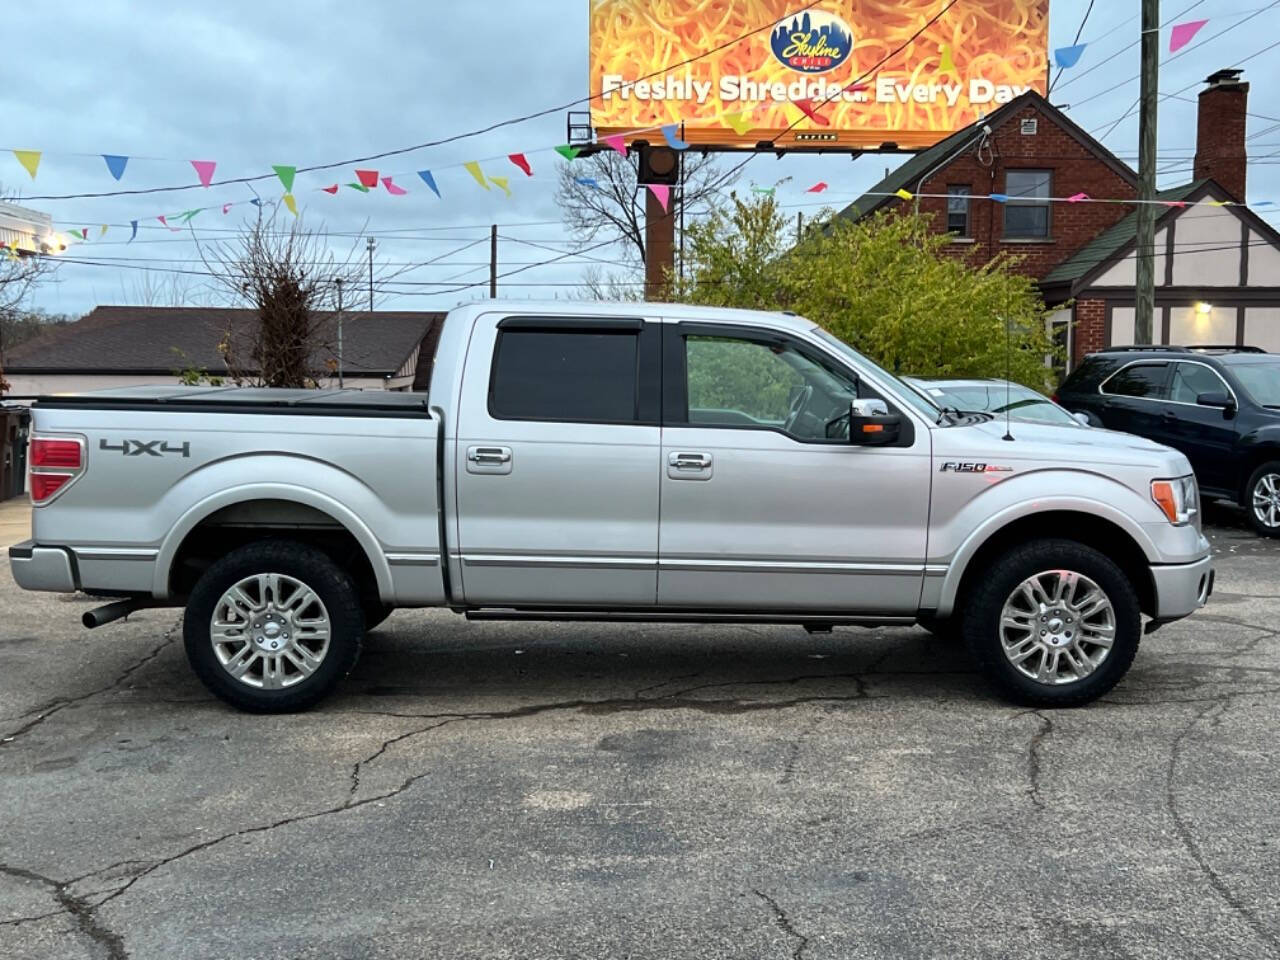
489	455
689	461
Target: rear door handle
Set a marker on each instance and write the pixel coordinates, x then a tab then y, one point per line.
488	459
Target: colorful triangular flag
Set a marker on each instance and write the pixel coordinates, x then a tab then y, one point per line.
291	203
473	168
522	162
393	188
945	62
587	181
737	122
358	186
332	188
30	160
998	197
367	177
1077	197
904	194
429	180
1184	33
502	184
286	174
669	133
567	151
103	231
165	221
817	187
115	164
662	193
204	170
188	215
616	142
1067	57
134	225
226	207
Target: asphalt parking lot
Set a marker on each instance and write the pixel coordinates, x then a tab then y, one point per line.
540	791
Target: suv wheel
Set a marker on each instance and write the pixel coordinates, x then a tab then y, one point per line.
273	626
1262	499
1053	623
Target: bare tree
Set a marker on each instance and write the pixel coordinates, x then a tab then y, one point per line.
613	208
156	289
288	275
20	271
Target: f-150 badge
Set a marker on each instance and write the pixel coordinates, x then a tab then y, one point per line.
952	466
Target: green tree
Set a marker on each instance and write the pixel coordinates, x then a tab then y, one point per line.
885	285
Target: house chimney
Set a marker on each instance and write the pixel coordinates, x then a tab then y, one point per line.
1220	151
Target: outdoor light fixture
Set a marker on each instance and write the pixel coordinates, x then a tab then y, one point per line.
1203	309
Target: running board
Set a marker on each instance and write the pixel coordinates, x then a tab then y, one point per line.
811	622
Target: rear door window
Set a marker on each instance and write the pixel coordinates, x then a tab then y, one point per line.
583	376
1192	379
1146	380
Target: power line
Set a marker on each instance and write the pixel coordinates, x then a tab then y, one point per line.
1084	73
1079	30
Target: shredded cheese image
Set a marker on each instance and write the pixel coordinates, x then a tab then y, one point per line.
656	62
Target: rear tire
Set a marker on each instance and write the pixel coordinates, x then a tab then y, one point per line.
273	626
1053	623
375	611
1262	499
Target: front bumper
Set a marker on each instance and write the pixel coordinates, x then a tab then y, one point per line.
42	568
1181	588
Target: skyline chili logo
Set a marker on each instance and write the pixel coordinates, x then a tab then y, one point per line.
813	42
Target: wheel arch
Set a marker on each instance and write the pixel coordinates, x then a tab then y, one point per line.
1129	548
270	511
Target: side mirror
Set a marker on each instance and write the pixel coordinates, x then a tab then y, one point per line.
1222	401
1082	419
872	425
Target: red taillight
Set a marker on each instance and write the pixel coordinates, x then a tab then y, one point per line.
45	485
55	454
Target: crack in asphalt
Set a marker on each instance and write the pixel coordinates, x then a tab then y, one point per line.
1033	759
783	923
84	913
55	706
793	749
1241	909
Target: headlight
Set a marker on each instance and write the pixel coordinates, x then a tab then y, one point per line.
1179	499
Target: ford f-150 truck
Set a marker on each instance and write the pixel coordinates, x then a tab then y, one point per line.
606	462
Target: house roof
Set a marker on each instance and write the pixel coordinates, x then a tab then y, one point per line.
160	340
908	175
1112	242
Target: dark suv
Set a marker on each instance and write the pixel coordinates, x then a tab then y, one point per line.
1218	405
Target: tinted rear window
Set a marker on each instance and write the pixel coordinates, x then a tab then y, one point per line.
1089	374
565	375
1139	380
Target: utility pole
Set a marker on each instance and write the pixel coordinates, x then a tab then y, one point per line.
338	282
493	261
1145	294
369	246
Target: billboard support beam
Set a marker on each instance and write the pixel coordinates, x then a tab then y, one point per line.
659	245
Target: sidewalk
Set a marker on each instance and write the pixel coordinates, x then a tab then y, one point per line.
15	520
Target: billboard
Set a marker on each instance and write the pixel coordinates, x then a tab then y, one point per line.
730	70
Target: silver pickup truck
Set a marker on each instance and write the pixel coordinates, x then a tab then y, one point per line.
610	462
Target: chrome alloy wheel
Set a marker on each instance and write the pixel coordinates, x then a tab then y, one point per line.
1057	627
270	631
1266	500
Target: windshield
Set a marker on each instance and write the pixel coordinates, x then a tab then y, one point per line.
1261	381
921	403
1021	402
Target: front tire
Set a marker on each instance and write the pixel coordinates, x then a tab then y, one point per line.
273	626
1262	499
1053	623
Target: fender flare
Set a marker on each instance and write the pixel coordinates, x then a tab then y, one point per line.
271	491
1017	511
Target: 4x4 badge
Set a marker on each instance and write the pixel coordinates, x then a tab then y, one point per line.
152	448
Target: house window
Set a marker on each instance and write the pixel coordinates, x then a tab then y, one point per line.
1026	213
958	209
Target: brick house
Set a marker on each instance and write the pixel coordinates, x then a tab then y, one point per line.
1081	254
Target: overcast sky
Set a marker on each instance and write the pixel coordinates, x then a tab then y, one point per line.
253	84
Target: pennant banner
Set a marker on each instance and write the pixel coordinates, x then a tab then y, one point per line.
768	191
904	194
115	164
1077	197
817	187
662	193
1067	57
204	170
291	203
810	110
134	225
393	188
673	141
737	122
567	151
358	186
429	180
30	160
473	168
1184	33
332	188
367	178
226	207
286	174
946	64
586	181
502	184
616	142
520	161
